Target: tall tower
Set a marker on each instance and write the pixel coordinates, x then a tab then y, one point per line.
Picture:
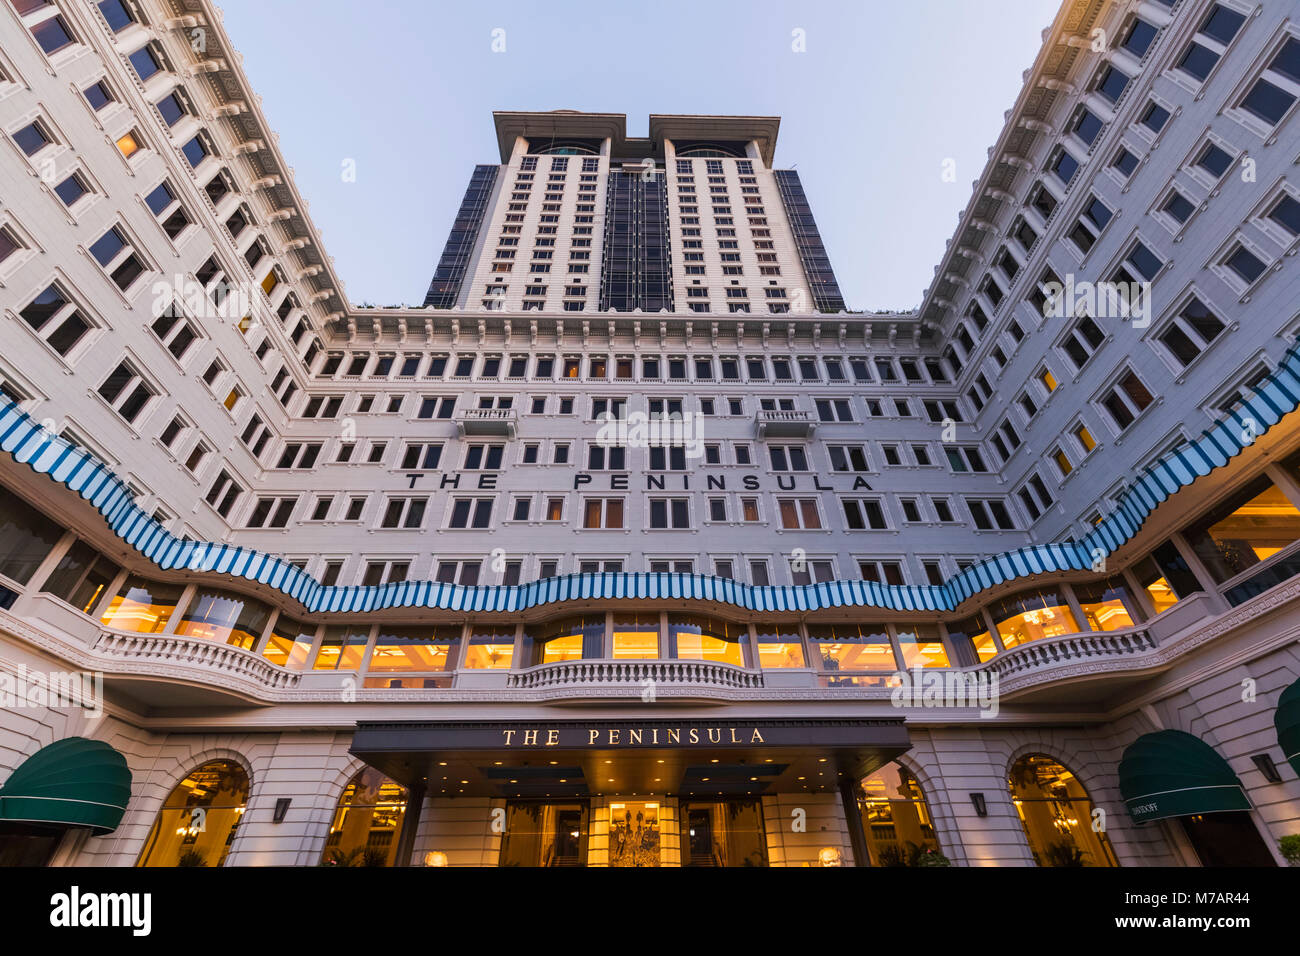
579	217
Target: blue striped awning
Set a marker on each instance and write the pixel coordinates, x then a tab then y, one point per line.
26	441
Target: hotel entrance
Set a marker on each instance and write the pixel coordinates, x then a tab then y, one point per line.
545	834
725	833
644	793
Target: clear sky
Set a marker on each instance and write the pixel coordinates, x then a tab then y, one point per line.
881	96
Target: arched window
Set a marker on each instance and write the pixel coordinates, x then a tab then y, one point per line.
197	823
1056	813
895	818
366	822
567	149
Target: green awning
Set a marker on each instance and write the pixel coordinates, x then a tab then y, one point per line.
73	782
1287	722
1170	773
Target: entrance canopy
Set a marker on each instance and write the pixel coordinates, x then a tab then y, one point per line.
566	758
1173	774
1287	722
74	782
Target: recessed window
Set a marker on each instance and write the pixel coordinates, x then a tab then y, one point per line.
97	95
1276	91
1178	207
52	34
71	189
31	139
145	62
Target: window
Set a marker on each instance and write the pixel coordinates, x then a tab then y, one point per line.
1244	264
223	494
859	515
271	512
602	513
1210	42
1271	97
1128	399
1190	332
56	320
1137	40
1253	525
989	514
1082	341
174	332
669	513
965	458
114	253
299	455
799	513
52	34
848	458
420	456
436	406
471	513
484	457
788	458
127	392
404	513
1111	83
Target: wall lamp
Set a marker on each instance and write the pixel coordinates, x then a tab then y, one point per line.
977	801
1267	767
281	809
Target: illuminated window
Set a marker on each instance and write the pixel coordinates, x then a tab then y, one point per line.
921	646
706	639
490	648
570	639
128	145
636	636
221	616
1032	616
1056	814
1252	526
1165	576
142	606
895	818
852	647
974	629
342	648
81	577
289	645
413	649
366	822
1104	604
780	645
196	825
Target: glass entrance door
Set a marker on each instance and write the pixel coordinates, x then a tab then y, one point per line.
545	834
723	833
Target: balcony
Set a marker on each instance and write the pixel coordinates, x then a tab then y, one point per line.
785	424
487	422
605	678
206	662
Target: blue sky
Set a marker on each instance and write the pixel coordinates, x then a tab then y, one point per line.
881	96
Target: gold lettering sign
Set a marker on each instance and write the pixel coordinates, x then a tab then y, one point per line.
634	736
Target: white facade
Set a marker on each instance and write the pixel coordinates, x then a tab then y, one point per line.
892	458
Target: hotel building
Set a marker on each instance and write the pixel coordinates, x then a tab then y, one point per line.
633	545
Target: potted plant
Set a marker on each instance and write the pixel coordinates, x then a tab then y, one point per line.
1290	847
191	858
1064	854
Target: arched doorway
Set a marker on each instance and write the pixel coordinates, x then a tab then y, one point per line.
367	821
896	818
197	823
1057	815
